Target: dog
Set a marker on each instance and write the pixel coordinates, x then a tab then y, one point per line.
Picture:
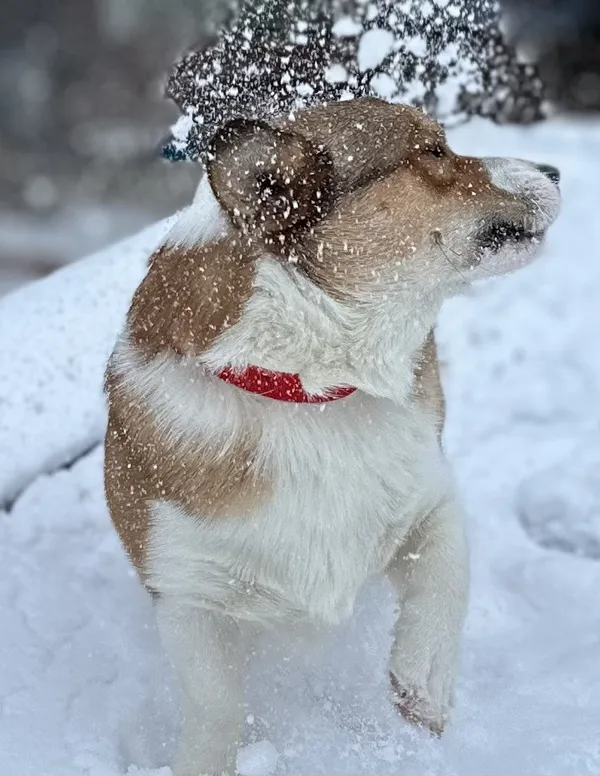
275	406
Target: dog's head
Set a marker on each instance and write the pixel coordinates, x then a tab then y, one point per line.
368	197
333	241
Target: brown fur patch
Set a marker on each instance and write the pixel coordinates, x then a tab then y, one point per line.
428	384
143	465
397	183
391	222
270	180
190	296
367	139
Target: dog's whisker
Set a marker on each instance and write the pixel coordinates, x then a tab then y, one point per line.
439	241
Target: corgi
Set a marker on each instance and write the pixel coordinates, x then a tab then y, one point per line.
275	405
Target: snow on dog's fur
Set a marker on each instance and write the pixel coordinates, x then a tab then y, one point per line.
321	246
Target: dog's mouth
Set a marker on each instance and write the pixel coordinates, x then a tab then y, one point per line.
496	235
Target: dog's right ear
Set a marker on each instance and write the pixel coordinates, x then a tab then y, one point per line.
269	180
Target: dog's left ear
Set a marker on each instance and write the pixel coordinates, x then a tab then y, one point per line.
269	180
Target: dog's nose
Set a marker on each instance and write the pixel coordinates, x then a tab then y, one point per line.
550	172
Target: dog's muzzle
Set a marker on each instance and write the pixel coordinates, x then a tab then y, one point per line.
550	172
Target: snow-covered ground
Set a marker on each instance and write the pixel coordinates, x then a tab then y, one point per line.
84	686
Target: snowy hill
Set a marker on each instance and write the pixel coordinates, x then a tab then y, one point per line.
84	686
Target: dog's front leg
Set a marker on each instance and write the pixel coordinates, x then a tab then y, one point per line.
430	573
208	652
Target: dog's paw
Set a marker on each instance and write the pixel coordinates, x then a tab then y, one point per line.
193	771
418	707
186	768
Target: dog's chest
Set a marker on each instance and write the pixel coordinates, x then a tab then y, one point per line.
342	515
346	492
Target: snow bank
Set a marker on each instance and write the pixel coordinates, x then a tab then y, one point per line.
55	338
85	687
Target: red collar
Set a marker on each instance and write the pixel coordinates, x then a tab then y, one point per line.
282	386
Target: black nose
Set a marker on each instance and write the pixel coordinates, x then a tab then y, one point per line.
550	172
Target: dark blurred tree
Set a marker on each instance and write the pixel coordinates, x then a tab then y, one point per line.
449	57
510	57
82	83
563	36
82	112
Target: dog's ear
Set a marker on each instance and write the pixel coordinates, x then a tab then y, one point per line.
269	180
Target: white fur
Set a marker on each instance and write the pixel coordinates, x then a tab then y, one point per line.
360	485
290	325
526	181
353	479
202	222
351	476
209	653
518	176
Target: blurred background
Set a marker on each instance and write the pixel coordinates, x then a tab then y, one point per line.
83	113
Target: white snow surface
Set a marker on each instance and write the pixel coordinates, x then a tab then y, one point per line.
84	685
55	338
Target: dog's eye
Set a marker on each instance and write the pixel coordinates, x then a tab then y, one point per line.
437	150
